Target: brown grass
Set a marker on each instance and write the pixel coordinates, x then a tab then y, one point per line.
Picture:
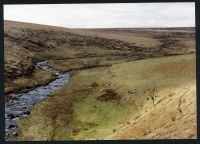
18	61
164	120
23	84
176	68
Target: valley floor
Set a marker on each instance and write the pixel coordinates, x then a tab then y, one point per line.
143	99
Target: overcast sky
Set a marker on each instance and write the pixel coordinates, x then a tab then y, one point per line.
105	15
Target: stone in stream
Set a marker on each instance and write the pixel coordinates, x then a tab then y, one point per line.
15	134
27	112
11	116
11	126
16	119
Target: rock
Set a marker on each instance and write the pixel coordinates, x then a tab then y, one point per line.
15	98
11	116
15	134
27	112
11	126
16	119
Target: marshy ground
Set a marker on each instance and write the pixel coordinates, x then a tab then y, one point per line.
124	84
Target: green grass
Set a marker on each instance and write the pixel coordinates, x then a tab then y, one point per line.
93	119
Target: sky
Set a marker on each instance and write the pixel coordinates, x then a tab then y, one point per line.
120	15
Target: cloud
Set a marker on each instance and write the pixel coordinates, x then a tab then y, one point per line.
105	15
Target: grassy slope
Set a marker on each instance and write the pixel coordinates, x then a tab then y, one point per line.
173	116
74	112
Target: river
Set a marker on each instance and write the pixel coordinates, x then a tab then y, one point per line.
20	104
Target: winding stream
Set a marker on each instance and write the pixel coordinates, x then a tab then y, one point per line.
20	104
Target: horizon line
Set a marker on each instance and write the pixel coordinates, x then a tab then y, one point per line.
101	27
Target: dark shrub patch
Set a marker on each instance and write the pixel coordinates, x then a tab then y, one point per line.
109	95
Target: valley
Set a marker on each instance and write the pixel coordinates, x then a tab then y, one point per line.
131	83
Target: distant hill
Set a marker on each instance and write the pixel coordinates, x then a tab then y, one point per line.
118	42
